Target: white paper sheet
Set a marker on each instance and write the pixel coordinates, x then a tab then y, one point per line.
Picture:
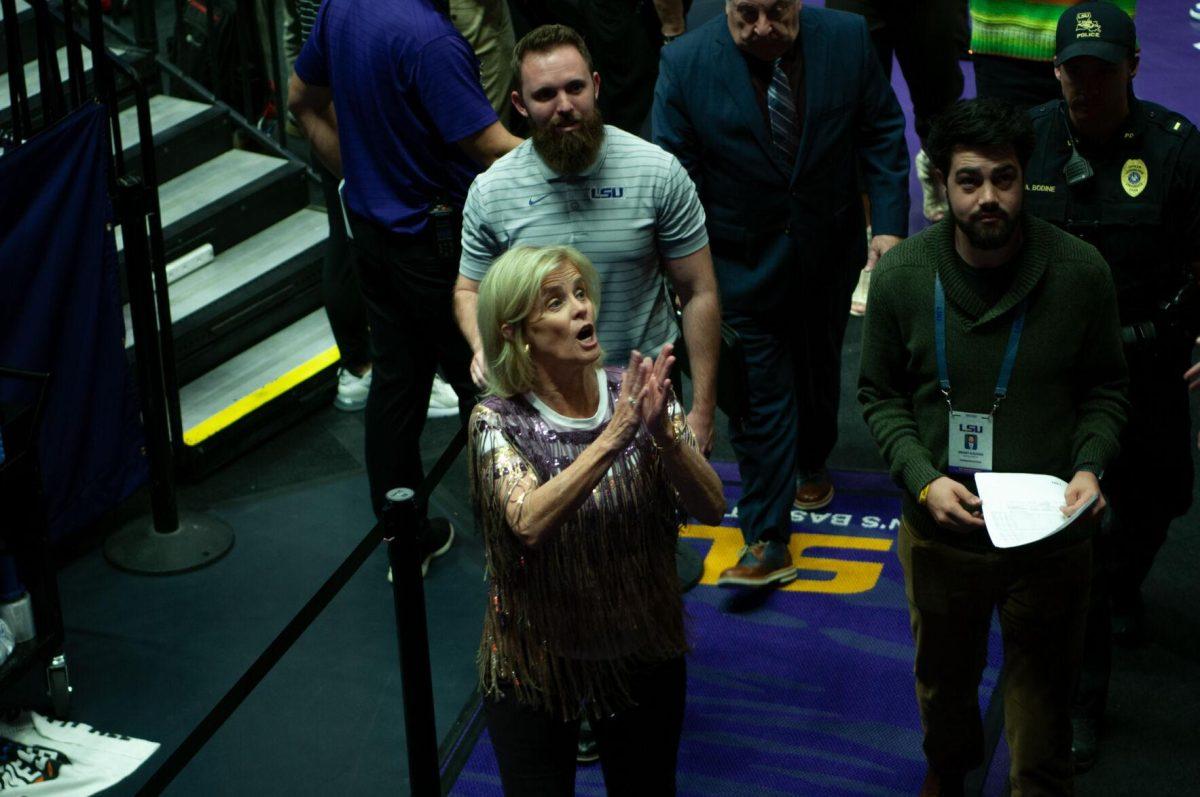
1020	508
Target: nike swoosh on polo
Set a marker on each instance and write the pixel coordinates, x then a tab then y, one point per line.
534	200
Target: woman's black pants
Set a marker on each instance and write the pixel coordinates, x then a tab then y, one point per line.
638	746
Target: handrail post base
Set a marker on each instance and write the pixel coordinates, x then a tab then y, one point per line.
138	547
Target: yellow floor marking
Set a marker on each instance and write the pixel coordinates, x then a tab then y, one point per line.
849	576
268	392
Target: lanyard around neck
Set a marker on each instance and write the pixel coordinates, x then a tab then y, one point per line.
939	331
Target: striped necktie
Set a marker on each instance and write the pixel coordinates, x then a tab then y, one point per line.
782	110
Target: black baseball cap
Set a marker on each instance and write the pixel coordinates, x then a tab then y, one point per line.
1099	29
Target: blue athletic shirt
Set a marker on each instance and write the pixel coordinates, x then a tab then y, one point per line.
405	87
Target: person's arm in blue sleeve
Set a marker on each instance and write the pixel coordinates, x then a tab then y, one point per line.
447	78
311	101
313	108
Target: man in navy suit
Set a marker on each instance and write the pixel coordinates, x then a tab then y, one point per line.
770	109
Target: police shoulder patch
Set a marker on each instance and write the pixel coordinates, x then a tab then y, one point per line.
1178	125
1167	120
1134	176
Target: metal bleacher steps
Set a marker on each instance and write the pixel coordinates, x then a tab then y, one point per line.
218	406
226	198
218	309
253	349
246	312
186	134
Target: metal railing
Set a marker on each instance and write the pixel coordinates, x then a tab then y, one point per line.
401	528
136	203
247	56
203	86
138	213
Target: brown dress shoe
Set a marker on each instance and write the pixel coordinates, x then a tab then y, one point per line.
760	564
813	491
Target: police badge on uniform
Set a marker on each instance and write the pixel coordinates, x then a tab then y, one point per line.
1133	176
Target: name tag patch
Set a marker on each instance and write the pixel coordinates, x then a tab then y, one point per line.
970	442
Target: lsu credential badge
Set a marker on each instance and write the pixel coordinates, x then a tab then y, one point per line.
1133	176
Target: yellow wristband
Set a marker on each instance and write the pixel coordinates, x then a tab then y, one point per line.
923	496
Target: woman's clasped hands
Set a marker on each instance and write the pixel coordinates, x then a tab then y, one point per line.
645	392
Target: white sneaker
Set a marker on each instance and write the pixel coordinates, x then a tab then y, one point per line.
443	401
352	390
1194	13
933	196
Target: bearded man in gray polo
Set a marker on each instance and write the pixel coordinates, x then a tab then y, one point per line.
624	202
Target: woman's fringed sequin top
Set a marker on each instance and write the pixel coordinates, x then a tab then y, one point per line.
567	621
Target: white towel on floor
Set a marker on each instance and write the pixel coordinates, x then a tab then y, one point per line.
42	757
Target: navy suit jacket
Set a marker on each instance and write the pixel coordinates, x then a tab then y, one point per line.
761	219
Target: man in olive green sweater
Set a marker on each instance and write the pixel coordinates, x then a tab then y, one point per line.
1032	364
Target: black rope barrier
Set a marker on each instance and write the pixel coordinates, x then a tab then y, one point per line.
402	530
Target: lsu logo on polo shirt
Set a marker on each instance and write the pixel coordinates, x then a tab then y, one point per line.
606	193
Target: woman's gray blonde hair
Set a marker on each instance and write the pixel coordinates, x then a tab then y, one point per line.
509	294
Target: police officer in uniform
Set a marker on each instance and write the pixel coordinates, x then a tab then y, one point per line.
1124	175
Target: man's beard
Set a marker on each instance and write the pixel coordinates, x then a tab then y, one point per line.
987	237
570	153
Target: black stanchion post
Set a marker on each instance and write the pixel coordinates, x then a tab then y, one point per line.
168	543
402	529
131	205
145	25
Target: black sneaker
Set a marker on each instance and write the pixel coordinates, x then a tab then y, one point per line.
439	535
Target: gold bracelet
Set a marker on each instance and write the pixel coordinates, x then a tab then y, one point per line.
923	496
673	444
